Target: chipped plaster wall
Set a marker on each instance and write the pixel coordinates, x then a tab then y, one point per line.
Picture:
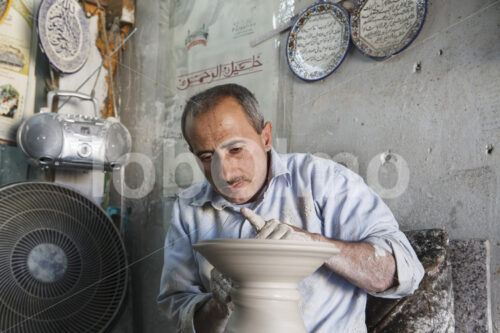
439	120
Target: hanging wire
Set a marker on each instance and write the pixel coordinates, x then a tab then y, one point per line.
101	65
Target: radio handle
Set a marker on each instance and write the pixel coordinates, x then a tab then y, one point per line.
67	93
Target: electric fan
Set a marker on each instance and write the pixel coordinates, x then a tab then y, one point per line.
63	266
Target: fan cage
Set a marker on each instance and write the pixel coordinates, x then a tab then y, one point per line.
86	291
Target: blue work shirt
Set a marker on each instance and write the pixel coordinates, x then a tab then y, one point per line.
309	192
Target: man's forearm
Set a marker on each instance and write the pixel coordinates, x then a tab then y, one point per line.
209	318
365	265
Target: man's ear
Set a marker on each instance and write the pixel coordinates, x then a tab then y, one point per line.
267	136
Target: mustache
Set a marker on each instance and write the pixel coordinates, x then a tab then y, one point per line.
237	180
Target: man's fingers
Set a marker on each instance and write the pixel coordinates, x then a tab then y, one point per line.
220	286
280	231
257	222
273	229
220	279
268	229
220	295
297	234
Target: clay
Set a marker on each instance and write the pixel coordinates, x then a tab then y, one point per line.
379	252
265	276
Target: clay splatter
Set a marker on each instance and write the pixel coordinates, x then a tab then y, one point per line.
379	252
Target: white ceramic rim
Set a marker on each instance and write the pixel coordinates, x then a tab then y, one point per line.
267	244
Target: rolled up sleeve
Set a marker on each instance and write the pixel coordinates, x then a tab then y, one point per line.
357	213
181	291
409	270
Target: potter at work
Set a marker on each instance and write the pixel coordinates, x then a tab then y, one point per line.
251	191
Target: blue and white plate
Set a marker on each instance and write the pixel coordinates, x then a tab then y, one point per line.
318	41
63	34
4	9
381	29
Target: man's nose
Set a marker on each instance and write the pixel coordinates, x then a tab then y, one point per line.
224	168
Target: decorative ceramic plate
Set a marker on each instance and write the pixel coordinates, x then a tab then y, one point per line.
4	9
381	29
63	34
318	41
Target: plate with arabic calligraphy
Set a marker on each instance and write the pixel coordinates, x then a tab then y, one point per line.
63	34
382	28
318	41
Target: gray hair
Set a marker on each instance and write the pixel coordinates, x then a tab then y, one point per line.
207	100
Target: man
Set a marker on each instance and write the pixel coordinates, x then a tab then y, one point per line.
251	191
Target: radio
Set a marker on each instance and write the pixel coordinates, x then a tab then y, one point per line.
73	141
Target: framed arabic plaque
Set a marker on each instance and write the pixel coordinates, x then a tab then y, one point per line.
318	41
63	34
382	28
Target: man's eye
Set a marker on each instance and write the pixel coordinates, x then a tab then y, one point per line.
205	158
235	149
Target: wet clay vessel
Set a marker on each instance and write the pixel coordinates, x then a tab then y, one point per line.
265	274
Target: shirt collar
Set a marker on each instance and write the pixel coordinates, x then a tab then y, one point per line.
205	192
278	167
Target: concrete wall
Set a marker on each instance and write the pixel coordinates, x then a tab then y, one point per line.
143	76
438	120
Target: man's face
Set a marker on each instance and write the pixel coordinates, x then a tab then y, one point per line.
233	156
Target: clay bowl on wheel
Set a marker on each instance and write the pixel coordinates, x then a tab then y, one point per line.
266	274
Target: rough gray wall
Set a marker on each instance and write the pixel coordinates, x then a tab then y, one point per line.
142	78
439	120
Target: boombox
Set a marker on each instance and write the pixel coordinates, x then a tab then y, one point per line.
73	141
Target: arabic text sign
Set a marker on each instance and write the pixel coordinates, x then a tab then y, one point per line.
384	23
219	72
319	40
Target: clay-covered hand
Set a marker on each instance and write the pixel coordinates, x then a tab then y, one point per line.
220	287
274	229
